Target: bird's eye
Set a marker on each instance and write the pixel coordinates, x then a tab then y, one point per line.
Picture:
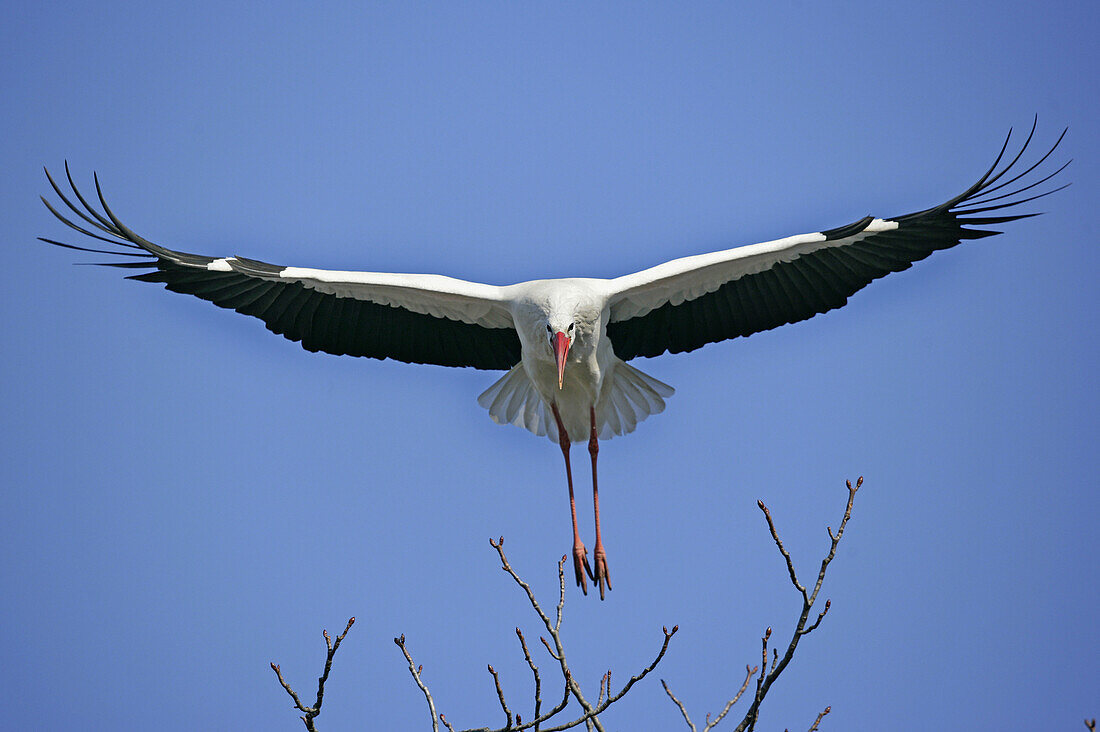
570	327
549	329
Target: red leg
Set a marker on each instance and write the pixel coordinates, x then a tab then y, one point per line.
601	575
580	554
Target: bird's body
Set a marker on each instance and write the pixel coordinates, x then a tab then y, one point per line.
594	375
564	305
564	344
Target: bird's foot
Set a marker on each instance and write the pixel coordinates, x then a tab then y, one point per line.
580	565
601	576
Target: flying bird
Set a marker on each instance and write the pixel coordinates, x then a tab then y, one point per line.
565	344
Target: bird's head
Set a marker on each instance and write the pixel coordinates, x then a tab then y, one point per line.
560	334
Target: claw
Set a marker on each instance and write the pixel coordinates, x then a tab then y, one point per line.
580	565
601	575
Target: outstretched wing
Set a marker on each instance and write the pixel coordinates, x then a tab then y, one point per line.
686	303
413	318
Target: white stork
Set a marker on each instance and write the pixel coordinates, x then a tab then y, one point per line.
564	344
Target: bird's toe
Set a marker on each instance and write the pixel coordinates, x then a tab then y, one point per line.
580	566
601	576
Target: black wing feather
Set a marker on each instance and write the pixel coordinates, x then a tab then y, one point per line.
319	321
824	279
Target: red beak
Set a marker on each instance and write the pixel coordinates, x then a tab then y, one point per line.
561	348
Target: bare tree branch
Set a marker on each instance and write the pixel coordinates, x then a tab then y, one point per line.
820	617
549	649
535	672
711	724
767	676
683	709
813	727
1091	724
556	648
500	696
415	671
808	600
310	713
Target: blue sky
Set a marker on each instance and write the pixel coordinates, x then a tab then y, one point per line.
188	497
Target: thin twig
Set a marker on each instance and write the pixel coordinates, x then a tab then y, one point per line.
645	671
310	713
592	712
760	689
813	727
549	649
766	676
680	704
293	695
415	671
820	617
782	549
500	696
535	671
750	671
499	546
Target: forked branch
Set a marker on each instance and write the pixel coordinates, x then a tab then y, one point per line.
765	675
310	713
555	647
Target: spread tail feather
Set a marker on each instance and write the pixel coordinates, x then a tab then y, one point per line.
513	399
628	397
